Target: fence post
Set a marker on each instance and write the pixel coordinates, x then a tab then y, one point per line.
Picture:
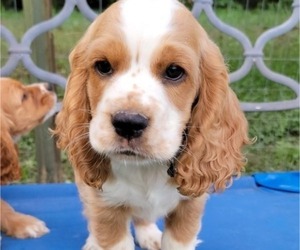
47	155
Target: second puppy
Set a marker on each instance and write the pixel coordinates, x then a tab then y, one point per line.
22	108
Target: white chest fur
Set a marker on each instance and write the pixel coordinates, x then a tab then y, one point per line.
143	188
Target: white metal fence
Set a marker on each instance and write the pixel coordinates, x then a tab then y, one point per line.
20	52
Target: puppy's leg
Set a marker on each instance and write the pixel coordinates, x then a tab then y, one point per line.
183	225
109	228
147	234
125	244
20	225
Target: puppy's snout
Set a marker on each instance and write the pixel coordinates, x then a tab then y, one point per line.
48	86
129	125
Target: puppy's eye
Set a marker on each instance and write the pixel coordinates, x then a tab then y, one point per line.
174	72
103	67
24	97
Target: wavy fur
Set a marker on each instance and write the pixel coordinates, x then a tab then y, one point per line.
217	131
73	120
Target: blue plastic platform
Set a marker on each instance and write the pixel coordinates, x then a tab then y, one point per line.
244	217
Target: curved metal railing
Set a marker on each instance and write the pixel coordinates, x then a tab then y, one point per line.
20	52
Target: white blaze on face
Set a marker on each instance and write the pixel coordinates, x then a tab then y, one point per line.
144	24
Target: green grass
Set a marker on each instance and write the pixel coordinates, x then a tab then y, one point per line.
277	133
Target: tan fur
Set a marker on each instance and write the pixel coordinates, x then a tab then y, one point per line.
182	55
10	169
216	133
22	108
79	102
17	224
185	221
108	223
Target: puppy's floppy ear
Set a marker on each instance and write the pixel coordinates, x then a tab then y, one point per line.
217	131
72	122
10	168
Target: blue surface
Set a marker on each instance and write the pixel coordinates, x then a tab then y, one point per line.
244	217
287	181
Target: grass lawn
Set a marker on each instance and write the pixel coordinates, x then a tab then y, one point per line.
277	146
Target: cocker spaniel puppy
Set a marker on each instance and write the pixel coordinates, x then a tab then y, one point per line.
22	109
150	125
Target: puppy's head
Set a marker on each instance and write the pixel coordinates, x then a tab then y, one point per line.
24	107
151	88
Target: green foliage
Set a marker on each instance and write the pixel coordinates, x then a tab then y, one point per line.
26	148
283	155
277	141
268	127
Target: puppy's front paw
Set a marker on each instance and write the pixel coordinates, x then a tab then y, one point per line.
25	226
148	236
91	244
125	244
170	243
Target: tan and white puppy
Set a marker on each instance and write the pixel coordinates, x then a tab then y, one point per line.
22	108
150	125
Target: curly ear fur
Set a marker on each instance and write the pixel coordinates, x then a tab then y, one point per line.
217	131
72	123
10	168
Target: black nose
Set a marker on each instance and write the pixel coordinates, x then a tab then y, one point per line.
129	125
48	86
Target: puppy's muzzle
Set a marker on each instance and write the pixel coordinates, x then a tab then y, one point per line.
129	125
